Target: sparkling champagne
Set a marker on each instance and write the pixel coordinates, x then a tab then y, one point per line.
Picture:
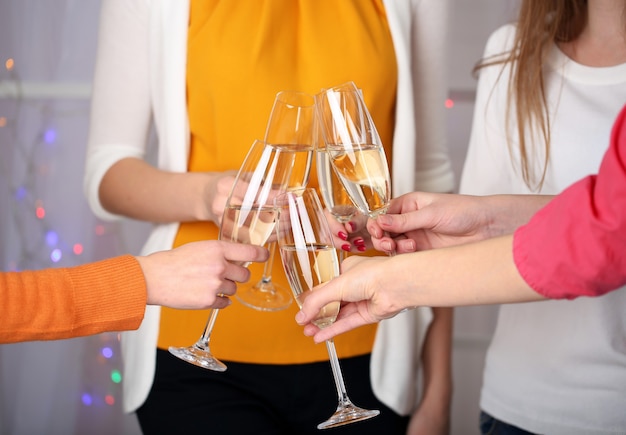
307	268
248	224
365	176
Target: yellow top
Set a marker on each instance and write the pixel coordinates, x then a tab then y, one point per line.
239	57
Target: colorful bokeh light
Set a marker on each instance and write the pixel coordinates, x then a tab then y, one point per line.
87	399
107	352
52	238
116	376
56	255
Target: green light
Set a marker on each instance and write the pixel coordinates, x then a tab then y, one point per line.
116	376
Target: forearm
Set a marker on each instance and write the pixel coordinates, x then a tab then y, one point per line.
469	274
108	295
135	189
374	289
505	213
436	360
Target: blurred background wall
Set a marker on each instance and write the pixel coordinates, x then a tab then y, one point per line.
47	52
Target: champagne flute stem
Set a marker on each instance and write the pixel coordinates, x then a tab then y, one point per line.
341	253
206	335
334	364
267	269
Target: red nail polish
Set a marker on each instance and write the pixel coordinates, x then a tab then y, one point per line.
359	241
361	248
346	247
352	226
342	235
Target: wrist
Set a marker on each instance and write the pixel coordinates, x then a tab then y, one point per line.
205	188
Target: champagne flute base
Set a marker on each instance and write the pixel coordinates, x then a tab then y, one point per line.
347	413
199	356
265	296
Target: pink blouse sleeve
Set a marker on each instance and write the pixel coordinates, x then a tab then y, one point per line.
576	245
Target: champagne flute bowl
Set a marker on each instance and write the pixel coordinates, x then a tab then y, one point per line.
354	147
291	126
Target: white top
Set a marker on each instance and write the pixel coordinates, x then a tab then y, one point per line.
140	73
555	367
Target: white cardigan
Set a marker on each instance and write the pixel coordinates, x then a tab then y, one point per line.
142	53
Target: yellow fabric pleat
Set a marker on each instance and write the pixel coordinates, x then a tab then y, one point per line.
239	56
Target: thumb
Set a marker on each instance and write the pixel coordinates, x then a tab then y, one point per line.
397	223
316	299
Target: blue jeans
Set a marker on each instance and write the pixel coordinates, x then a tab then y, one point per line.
493	426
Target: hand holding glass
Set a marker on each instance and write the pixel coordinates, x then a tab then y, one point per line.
249	217
310	259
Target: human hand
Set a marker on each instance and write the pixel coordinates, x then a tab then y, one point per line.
417	221
198	275
365	298
216	193
351	236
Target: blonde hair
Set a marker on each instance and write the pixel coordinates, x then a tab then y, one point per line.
540	24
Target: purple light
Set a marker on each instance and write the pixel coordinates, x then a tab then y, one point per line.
107	352
52	238
50	136
56	255
20	193
87	400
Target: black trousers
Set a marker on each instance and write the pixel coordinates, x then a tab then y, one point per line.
258	399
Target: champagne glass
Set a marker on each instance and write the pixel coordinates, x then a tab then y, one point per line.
354	147
310	259
292	124
335	197
249	217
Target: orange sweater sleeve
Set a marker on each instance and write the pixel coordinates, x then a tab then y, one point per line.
49	304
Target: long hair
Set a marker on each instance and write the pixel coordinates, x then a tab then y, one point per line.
540	24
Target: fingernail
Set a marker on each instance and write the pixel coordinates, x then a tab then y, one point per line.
300	317
361	248
386	246
359	241
352	226
346	247
342	235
